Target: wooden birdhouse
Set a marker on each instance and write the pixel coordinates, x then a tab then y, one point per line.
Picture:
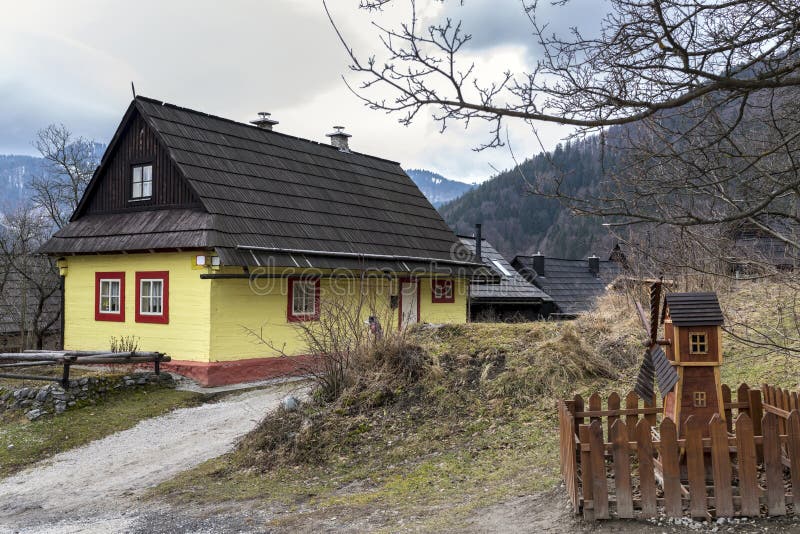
693	332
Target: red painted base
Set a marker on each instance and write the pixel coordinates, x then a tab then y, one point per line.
236	372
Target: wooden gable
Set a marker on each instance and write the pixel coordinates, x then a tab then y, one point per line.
136	143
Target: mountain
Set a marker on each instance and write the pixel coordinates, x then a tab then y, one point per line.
436	188
16	173
517	222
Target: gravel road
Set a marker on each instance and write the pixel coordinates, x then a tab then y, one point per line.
94	488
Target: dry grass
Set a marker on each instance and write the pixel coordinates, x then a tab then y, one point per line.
468	423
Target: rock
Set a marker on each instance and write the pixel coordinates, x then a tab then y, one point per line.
60	407
290	403
34	414
10	446
42	395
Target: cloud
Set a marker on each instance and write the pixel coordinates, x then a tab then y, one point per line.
72	62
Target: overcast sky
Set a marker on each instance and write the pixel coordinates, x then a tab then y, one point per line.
72	61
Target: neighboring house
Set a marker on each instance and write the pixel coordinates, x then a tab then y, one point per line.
754	251
574	285
29	316
197	232
512	299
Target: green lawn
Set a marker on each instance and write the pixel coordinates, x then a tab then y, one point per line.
23	443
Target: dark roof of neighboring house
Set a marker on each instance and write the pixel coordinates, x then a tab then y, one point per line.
571	285
512	287
267	198
694	309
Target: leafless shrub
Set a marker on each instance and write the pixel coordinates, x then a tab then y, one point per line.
124	344
354	335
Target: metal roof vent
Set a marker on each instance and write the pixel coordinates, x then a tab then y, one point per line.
263	121
339	138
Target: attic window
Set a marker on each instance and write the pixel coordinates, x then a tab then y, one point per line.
698	343
501	268
442	291
142	182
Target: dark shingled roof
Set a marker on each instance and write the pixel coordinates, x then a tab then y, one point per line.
571	285
268	197
512	286
694	309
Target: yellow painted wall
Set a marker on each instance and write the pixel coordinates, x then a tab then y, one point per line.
209	319
436	312
186	337
238	307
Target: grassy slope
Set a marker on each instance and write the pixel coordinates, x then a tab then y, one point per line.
478	428
33	441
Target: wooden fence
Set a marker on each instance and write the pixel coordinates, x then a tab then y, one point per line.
16	361
628	462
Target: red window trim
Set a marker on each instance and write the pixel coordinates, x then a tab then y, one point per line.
152	275
443	300
118	317
290	316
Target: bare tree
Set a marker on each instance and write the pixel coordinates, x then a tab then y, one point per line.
69	164
696	103
29	282
685	80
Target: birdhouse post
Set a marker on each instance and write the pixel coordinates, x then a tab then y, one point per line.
693	331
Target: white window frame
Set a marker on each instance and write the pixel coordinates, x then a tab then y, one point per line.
102	295
150	297
309	291
145	178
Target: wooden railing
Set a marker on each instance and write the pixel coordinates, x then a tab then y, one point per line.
627	462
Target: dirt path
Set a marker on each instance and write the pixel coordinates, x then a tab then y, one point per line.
99	482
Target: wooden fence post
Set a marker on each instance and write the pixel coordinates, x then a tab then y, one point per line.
773	465
622	469
647	480
586	474
578	403
671	469
613	404
695	467
631	403
756	414
746	460
793	449
743	396
599	481
726	399
721	464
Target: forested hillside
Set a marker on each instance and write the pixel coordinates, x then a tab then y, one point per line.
436	188
517	222
16	173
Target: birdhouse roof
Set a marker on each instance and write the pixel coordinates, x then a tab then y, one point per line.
694	309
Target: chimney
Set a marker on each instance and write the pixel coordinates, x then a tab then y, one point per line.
263	121
538	263
339	138
594	265
478	243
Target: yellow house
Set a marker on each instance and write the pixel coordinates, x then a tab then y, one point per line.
214	241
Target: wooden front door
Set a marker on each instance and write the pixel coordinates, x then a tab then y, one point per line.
409	302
